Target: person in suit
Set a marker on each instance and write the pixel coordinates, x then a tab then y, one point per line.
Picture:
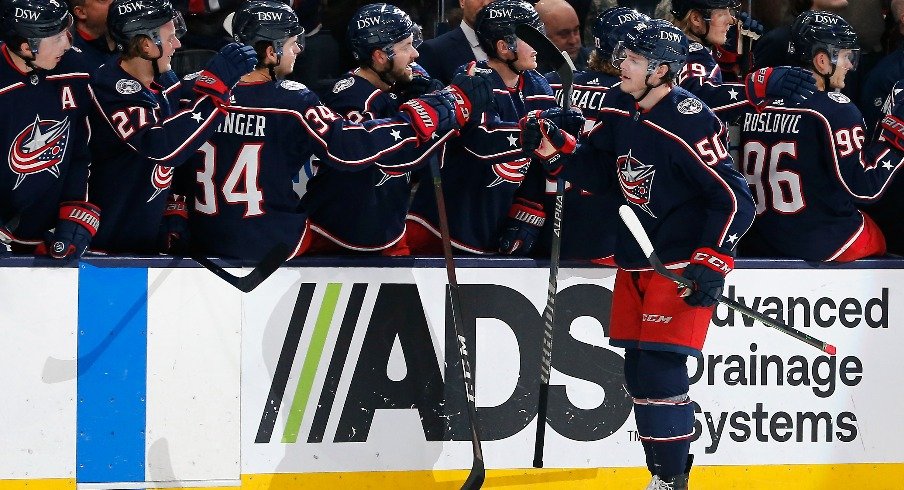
442	55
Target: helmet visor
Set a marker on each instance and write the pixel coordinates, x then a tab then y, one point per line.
852	55
179	23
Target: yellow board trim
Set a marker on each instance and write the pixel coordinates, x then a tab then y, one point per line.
879	476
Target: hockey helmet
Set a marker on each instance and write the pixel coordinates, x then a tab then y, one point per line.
497	20
817	31
33	20
268	21
680	8
127	19
380	26
660	42
611	26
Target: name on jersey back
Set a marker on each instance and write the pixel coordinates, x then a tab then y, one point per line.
243	124
771	122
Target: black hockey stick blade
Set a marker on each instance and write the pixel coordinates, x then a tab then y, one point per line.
549	53
640	235
267	266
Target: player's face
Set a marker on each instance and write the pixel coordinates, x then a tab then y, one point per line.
404	54
719	22
290	52
51	49
842	67
169	42
633	73
527	57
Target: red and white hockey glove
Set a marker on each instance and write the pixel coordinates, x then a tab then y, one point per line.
545	141
224	70
525	219
707	269
78	223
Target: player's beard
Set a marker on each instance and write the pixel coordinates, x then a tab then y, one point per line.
399	73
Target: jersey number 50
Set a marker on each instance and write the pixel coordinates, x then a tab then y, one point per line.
244	172
777	189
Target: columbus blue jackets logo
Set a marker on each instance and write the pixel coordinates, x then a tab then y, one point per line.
160	180
511	172
40	147
636	181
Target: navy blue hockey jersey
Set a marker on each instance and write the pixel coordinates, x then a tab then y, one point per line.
364	210
140	135
484	167
245	203
673	168
44	129
702	76
807	166
94	52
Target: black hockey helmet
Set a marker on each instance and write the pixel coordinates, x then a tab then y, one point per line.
660	42
379	26
127	19
497	20
815	31
33	20
611	26
680	8
266	20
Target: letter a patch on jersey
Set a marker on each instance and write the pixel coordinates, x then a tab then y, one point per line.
40	146
636	180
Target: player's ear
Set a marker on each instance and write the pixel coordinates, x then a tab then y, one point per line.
25	49
822	63
78	12
271	55
378	57
502	46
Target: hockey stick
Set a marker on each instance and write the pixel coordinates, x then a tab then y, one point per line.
267	266
636	229
478	469
549	53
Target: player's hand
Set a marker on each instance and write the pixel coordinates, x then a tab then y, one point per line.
793	84
571	121
416	87
473	92
748	26
173	236
78	223
224	70
525	219
707	269
545	141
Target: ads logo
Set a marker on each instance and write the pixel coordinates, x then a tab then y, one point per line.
435	389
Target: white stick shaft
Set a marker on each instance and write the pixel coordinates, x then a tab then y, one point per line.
636	229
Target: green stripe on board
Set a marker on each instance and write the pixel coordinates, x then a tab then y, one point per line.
311	361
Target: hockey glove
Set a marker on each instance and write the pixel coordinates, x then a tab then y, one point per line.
473	94
707	269
570	121
418	86
224	70
430	113
748	26
545	141
794	85
173	237
525	219
78	223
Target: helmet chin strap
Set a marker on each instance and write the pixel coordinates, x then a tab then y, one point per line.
511	63
383	75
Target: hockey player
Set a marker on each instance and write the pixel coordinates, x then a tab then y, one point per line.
673	169
43	91
485	166
706	23
245	202
808	165
140	133
365	211
582	237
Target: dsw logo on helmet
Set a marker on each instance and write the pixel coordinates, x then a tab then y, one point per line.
130	7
